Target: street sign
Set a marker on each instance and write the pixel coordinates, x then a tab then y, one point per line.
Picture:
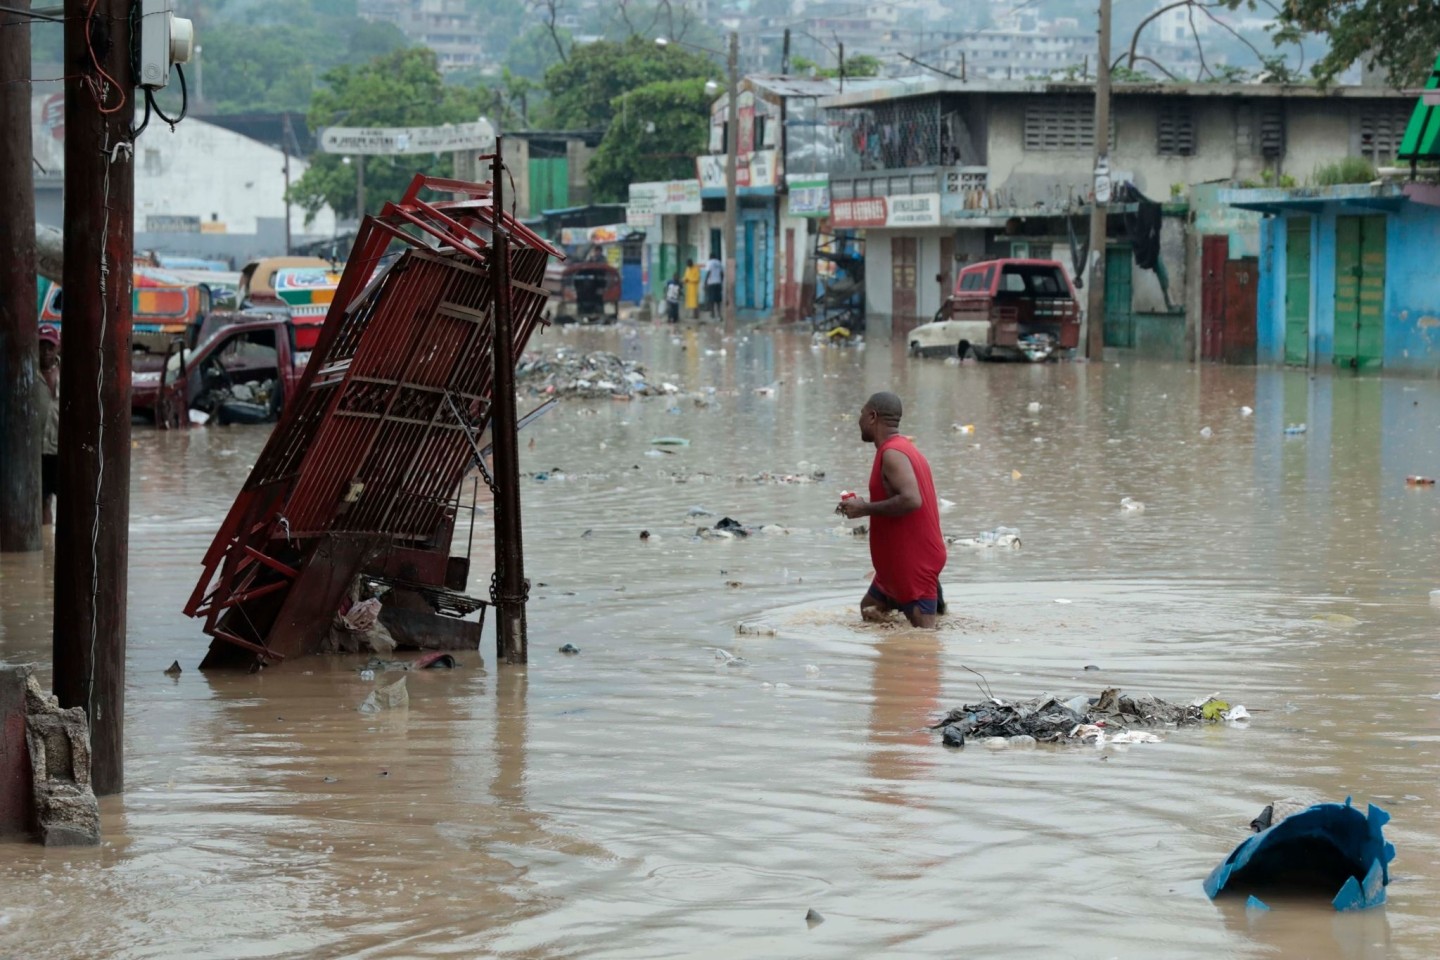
408	141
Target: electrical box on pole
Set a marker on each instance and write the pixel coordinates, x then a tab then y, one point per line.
165	40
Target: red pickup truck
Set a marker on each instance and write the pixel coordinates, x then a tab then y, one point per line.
1004	310
244	369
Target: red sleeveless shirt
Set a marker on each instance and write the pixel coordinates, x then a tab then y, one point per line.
908	551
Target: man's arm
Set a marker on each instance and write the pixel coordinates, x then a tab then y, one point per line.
899	477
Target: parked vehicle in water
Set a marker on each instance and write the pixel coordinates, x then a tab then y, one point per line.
583	292
308	293
163	306
1004	310
257	279
243	371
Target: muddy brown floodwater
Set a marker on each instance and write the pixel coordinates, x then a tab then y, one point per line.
644	799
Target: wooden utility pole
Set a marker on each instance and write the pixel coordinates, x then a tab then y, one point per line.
93	508
511	589
1095	300
732	197
21	428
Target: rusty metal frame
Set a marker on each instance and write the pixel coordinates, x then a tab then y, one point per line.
370	449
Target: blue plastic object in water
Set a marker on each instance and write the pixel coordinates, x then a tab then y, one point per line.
1329	846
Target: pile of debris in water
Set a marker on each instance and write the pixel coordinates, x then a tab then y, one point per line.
567	372
1112	717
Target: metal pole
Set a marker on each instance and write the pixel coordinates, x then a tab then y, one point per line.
1095	299
785	55
287	134
732	199
359	189
20	426
511	586
93	506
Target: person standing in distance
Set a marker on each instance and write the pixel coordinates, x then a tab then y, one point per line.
692	289
714	285
906	547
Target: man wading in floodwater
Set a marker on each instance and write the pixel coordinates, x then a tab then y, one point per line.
905	543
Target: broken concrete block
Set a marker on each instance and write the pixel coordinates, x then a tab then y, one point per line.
66	812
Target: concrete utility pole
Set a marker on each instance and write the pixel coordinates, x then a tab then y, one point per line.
511	588
732	198
20	426
1095	299
93	506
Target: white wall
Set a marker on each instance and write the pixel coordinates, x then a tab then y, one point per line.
200	170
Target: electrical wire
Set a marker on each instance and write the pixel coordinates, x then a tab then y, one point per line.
100	92
184	100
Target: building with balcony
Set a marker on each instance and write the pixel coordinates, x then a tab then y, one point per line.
940	172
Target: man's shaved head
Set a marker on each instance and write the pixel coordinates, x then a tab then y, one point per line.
887	406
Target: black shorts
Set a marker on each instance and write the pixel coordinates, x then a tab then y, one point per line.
49	474
714	292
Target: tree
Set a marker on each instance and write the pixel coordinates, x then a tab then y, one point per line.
533	52
1398	36
657	131
585	90
402	89
270	60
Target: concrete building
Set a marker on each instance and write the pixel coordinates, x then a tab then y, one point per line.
937	172
200	190
782	134
1346	276
448	27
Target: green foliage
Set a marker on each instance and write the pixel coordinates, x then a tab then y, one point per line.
1400	36
657	131
1348	170
1228	73
1124	74
584	91
401	89
533	52
859	66
270	60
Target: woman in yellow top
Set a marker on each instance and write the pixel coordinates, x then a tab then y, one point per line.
692	288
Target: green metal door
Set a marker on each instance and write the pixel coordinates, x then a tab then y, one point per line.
1359	291
1119	312
549	184
1297	291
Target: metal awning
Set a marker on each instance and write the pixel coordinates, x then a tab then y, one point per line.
1422	136
1278	200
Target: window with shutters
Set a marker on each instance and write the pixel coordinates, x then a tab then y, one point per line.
1060	123
1272	133
1175	129
1382	128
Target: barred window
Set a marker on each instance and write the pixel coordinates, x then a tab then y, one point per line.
1060	123
1175	129
1272	133
1382	128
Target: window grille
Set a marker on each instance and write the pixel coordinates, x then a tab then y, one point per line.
1175	129
1381	131
1272	133
1060	123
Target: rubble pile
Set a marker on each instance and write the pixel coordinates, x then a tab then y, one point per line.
567	372
1112	717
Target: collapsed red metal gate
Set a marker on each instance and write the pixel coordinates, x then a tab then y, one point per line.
361	476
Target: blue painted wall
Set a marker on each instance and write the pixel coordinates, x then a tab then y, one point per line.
755	261
1412	287
1270	293
1412	290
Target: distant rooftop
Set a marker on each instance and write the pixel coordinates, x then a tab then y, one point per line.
923	86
